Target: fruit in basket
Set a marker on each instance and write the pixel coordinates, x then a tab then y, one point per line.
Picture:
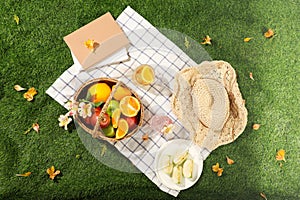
121	92
130	106
122	129
105	121
109	131
99	92
112	106
132	122
115	117
93	119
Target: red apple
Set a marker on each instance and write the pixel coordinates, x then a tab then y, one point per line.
132	122
93	119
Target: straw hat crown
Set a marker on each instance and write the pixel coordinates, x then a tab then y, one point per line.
208	103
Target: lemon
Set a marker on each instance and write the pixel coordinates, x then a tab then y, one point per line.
115	117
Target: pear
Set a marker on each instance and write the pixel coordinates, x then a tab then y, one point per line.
177	174
187	170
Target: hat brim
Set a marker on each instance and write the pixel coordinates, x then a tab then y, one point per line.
236	117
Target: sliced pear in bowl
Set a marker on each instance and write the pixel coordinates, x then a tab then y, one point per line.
177	174
180	158
187	168
168	165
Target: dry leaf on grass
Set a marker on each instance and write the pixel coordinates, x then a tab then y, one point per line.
216	168
35	127
269	33
229	161
263	195
256	127
24	175
17	19
280	155
251	76
206	40
30	94
52	172
247	39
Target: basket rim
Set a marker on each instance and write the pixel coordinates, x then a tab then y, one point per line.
100	134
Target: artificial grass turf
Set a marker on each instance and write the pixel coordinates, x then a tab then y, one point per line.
34	54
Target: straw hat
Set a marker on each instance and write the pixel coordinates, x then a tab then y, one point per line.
208	103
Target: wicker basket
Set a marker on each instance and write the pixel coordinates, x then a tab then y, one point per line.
81	93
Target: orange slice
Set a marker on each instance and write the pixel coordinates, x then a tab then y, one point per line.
99	92
115	117
129	106
122	129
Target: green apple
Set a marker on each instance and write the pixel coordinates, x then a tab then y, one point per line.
109	131
112	106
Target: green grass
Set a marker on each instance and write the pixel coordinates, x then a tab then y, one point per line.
33	54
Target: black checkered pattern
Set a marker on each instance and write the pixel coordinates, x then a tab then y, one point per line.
148	46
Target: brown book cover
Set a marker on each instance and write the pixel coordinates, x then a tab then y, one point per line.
105	31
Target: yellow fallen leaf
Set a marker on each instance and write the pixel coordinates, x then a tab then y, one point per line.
269	33
229	161
145	137
206	40
17	19
52	173
36	127
186	43
247	39
90	44
280	155
220	171
215	167
30	94
19	88
251	76
263	195
256	127
24	175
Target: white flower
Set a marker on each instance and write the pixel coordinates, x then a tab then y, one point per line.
64	120
72	106
85	110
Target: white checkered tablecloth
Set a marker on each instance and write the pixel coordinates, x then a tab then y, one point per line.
151	47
